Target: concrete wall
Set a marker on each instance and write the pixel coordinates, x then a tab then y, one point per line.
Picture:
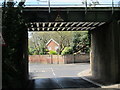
105	53
58	59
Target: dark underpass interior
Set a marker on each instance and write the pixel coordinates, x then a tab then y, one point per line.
66	82
62	83
58	76
104	28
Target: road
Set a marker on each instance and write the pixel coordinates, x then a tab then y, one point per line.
58	76
38	70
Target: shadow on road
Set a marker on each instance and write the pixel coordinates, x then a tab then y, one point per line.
61	83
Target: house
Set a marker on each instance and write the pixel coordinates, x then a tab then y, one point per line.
52	45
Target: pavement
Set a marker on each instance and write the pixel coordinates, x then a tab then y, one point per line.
63	76
87	75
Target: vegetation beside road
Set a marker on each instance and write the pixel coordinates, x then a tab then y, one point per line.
70	42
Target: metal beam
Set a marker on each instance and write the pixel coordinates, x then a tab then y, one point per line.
90	24
85	23
43	29
101	23
49	25
48	29
78	28
37	24
73	24
55	24
38	29
83	28
73	28
92	28
61	24
63	29
79	24
53	29
43	24
58	29
96	23
68	28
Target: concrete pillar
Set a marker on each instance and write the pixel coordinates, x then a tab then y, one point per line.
1	67
105	52
25	55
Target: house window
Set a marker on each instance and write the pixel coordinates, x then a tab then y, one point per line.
49	48
56	47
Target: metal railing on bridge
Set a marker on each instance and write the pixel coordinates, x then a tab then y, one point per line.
71	3
86	4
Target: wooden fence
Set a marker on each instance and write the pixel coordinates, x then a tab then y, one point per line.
59	59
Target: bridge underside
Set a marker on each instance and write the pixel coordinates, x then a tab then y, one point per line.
63	26
104	26
105	38
92	14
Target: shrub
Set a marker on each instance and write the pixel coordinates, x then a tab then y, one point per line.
67	50
30	51
46	50
53	53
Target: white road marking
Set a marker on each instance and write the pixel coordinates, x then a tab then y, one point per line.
56	78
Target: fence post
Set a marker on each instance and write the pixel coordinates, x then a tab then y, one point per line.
74	57
57	59
51	59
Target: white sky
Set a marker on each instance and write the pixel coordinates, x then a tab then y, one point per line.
75	1
67	1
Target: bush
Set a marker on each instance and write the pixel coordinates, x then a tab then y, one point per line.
53	53
30	51
67	50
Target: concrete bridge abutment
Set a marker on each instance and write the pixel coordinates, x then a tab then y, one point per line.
105	52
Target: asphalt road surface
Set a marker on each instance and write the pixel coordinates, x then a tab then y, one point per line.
37	70
58	76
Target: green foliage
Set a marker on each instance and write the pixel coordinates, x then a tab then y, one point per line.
80	42
39	39
30	51
46	50
38	51
67	50
77	40
53	53
13	62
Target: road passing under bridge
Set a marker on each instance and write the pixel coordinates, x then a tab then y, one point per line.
59	76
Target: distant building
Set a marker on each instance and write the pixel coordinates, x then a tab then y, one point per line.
52	45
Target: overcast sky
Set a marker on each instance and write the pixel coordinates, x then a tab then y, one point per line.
67	1
73	1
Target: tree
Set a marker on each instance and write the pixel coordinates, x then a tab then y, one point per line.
13	61
64	38
67	50
80	42
38	40
73	39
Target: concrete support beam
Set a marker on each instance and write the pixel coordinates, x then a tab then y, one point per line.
25	55
105	53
